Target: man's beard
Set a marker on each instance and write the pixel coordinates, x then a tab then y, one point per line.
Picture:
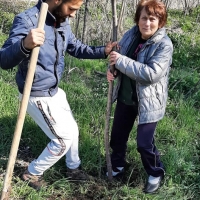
58	14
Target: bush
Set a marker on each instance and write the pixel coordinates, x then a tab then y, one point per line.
3	37
8	10
6	20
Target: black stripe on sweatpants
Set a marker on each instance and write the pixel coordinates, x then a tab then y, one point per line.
63	146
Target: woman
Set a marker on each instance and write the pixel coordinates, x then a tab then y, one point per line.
143	66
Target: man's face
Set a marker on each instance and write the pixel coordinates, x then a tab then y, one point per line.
67	9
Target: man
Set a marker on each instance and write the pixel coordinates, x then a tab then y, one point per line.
48	105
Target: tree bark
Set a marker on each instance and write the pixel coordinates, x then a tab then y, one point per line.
120	21
110	91
78	16
84	35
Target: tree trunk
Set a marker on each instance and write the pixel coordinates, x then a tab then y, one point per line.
167	3
120	21
110	91
78	16
84	35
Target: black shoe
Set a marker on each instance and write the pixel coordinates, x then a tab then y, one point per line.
151	188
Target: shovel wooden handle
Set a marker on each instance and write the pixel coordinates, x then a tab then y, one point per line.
23	108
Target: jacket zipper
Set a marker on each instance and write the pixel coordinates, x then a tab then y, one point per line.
142	49
131	45
137	90
56	62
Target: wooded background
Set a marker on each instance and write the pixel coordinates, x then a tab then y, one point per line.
93	22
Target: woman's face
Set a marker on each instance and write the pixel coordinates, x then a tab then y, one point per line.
148	24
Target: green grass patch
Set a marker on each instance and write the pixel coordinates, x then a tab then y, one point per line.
177	138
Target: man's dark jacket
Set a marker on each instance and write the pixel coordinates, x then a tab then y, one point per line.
59	39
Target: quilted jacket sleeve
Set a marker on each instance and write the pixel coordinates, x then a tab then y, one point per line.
153	62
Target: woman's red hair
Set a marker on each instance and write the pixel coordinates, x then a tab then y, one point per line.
152	7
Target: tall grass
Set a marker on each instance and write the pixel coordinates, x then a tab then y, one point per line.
177	137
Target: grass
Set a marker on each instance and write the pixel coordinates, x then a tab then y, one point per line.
177	137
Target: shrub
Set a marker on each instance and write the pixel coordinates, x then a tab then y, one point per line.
6	20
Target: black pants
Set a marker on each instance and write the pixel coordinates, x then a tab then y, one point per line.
124	119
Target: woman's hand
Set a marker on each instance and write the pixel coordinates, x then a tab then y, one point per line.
110	76
114	57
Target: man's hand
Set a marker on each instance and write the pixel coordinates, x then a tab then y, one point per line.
109	47
113	57
34	38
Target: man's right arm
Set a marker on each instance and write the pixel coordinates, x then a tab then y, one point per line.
13	50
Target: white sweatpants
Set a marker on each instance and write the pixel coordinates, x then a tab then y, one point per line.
54	116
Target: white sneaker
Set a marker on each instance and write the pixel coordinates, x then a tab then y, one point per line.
116	171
